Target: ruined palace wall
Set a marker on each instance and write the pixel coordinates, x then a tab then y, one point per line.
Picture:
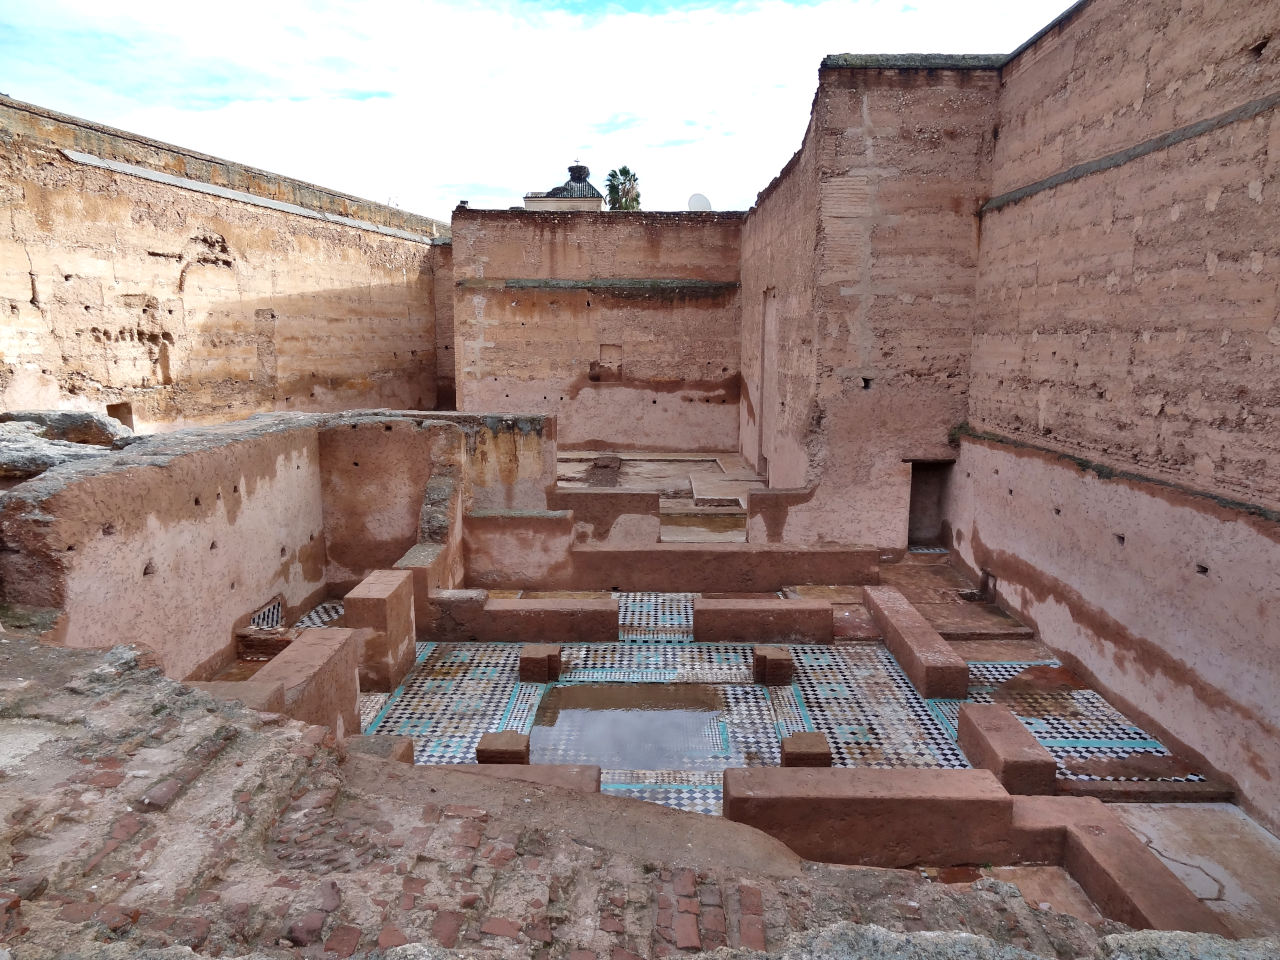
1127	316
1176	623
622	325
779	249
374	476
193	307
1131	315
902	169
442	313
171	544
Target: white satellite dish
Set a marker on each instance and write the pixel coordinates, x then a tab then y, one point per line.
699	202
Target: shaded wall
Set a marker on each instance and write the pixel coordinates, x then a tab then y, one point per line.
198	308
622	325
442	313
778	330
901	154
1176	623
1132	314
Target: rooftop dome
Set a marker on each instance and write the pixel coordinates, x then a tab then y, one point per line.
577	187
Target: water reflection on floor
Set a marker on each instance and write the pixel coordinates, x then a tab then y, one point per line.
632	726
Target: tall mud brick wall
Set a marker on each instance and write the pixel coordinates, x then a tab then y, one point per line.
1121	480
189	307
865	321
622	325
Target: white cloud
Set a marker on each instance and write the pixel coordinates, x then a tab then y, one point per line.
424	104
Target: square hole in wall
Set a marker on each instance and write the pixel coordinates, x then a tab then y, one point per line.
122	412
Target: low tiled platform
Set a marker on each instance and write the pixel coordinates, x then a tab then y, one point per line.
856	695
1090	739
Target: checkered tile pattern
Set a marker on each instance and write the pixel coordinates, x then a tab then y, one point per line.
523	706
1072	725
656	663
454	695
269	616
678	789
872	716
371	705
655	617
922	549
322	614
856	695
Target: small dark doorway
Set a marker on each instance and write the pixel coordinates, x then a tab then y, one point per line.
122	412
924	517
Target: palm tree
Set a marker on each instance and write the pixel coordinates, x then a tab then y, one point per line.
620	186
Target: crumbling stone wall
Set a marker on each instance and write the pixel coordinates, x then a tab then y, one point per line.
1131	314
171	546
196	308
374	478
1163	598
623	325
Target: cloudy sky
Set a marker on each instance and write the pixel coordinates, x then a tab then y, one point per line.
422	104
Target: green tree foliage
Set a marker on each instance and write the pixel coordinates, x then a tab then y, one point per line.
621	191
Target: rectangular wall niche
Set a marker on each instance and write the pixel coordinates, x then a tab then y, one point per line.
924	519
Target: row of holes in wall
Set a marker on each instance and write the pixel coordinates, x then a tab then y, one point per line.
1201	568
150	568
109	529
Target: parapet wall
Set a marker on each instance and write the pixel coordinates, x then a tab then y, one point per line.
120	285
171	544
175	541
622	325
1129	312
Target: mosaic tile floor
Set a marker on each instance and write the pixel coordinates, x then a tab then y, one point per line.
321	614
655	617
372	704
678	789
857	695
1078	727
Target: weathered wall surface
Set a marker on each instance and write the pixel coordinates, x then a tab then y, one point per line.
778	330
442	314
171	546
1131	315
902	166
175	541
1176	623
624	326
374	475
191	307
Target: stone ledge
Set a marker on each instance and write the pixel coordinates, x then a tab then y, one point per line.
935	670
994	739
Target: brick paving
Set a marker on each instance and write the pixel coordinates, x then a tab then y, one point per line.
156	816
